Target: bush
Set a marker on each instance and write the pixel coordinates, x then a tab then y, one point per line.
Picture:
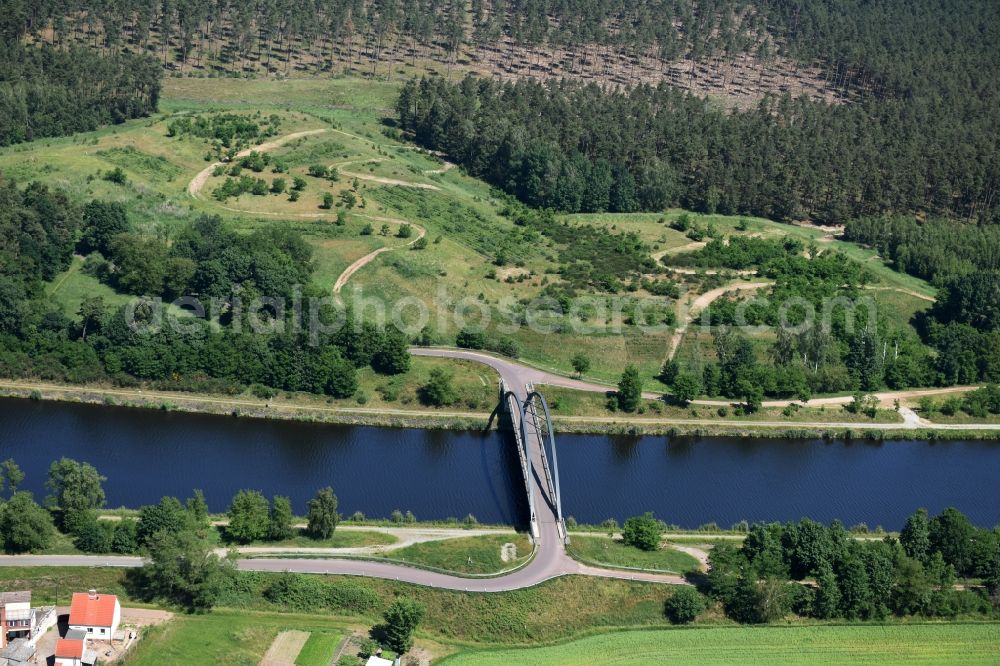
643	532
470	339
351	597
684	605
116	176
438	391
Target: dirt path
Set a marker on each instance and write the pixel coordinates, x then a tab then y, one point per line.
690	247
710	271
909	292
702	302
448	166
405	536
368	258
697	553
380	179
285	648
198	182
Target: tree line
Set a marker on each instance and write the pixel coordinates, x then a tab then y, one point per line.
125	343
46	91
858	579
581	148
935	250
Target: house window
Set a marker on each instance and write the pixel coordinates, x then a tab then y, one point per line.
90	630
103	630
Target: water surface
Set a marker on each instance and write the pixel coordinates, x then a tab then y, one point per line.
439	474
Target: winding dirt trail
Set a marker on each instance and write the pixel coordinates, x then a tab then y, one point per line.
702	302
379	179
901	290
197	183
368	258
448	166
690	247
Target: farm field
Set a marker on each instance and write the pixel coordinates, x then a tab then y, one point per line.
889	644
228	637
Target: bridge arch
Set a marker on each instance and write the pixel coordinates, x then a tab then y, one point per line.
553	474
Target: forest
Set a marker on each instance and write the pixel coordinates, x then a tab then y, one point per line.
935	250
856	579
42	229
922	139
580	148
46	91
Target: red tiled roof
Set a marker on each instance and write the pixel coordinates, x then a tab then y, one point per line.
72	649
99	611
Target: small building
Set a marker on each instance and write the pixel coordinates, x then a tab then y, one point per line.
18	652
378	661
97	615
15	616
73	650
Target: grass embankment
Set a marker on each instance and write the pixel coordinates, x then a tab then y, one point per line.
467	555
339	539
380	400
571	402
605	551
892	644
556	610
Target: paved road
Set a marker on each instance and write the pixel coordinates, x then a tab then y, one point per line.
550	559
548	563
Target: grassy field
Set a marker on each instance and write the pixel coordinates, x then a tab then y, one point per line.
318	650
605	551
883	645
229	637
467	555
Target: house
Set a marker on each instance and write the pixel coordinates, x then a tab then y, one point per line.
15	616
18	620
73	651
97	615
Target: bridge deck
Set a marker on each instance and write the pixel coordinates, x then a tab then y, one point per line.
541	491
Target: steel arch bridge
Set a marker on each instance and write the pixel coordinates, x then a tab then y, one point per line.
534	432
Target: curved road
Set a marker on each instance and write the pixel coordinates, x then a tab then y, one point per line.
550	559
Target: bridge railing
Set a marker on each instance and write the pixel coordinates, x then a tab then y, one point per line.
513	406
551	472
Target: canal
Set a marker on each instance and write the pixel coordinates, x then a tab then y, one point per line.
146	454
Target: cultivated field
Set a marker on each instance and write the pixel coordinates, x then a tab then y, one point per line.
892	644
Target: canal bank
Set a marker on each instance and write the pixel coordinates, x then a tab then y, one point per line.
441	474
444	419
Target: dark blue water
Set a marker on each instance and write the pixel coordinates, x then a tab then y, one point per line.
437	474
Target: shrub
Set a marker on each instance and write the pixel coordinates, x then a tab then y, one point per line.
683	606
116	176
643	532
